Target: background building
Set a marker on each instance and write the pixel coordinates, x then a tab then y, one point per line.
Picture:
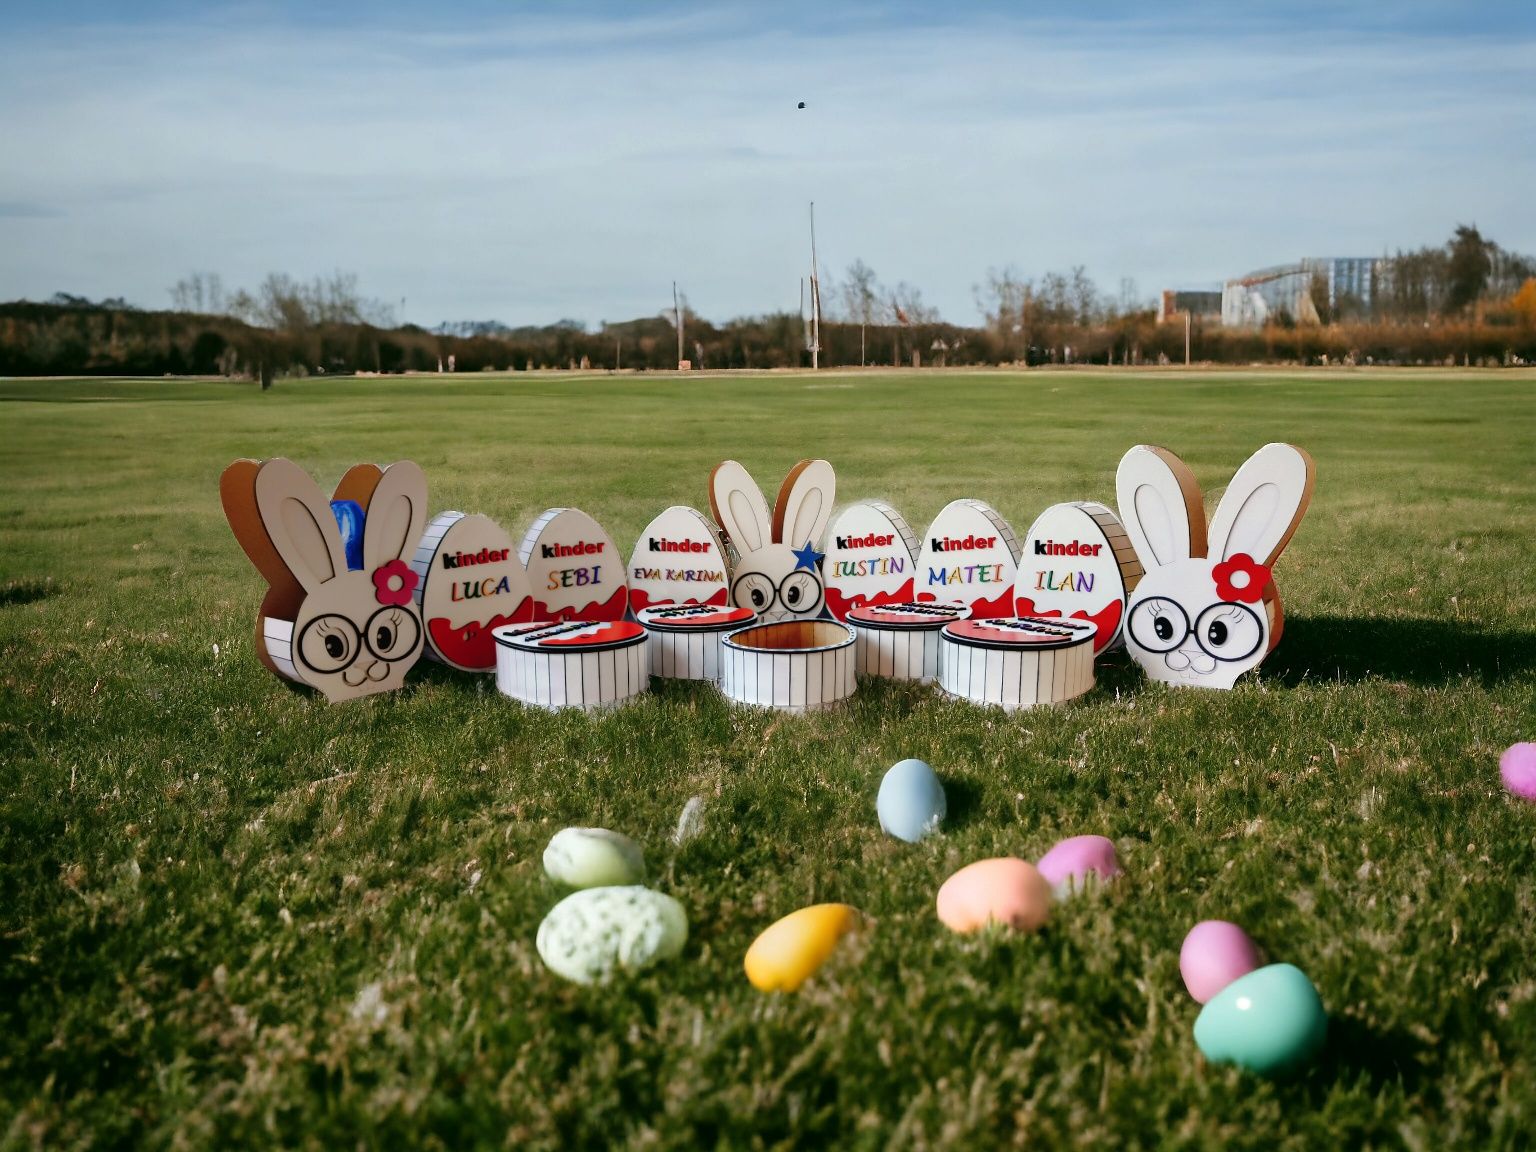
1345	284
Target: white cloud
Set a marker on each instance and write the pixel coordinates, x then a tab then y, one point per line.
574	166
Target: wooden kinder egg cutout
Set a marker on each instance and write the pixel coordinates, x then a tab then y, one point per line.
347	632
1206	610
970	556
470	583
679	559
685	639
901	641
573	568
871	558
1017	663
573	664
1078	563
794	665
777	571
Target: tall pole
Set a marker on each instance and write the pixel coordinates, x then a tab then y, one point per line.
1186	337
815	298
678	312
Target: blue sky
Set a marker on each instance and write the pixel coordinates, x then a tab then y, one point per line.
528	162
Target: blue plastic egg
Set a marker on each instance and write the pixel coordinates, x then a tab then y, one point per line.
1270	1021
911	801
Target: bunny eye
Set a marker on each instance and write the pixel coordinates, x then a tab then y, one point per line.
1229	631
328	643
392	633
1158	624
753	590
800	592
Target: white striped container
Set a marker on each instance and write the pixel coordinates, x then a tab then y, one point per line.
277	636
1020	662
685	639
794	665
901	641
576	664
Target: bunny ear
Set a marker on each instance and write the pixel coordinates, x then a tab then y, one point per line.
237	492
1160	505
739	507
358	484
397	515
804	506
298	520
1263	504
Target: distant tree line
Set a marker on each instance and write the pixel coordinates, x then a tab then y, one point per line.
1468	301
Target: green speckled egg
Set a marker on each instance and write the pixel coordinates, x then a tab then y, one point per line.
593	858
593	933
1270	1021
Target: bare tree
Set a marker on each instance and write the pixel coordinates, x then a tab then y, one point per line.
861	298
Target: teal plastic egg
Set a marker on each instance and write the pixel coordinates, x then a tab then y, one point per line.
1270	1021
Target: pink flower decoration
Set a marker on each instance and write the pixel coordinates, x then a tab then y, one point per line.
394	583
1239	578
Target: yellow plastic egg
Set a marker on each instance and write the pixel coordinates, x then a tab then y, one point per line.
790	950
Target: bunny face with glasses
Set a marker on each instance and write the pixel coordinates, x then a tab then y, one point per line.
1207	609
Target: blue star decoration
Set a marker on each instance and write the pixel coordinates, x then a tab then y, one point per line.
807	557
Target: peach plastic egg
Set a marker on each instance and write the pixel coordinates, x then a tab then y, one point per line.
1004	890
788	952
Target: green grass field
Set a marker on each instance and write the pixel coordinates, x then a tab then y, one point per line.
233	915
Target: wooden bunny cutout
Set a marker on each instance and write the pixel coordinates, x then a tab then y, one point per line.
778	568
1207	609
344	630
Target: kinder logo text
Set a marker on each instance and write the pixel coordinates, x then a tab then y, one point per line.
962	544
873	540
465	559
664	545
1076	548
556	551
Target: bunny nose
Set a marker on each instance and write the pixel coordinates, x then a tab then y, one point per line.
1190	660
378	670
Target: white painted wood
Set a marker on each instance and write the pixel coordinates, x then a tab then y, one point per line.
1198	620
540	665
1017	663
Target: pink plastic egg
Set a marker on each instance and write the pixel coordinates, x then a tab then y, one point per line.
1071	863
1518	767
1214	954
1003	890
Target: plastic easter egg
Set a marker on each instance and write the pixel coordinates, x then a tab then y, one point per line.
1078	861
789	951
1214	954
911	802
1004	891
592	934
1518	768
593	858
1270	1021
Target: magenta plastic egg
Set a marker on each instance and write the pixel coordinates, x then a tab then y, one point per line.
1072	863
1518	768
1214	954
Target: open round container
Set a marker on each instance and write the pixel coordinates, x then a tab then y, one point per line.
796	665
901	641
578	664
685	638
1019	662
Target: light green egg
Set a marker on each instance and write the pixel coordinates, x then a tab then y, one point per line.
1270	1021
592	934
593	858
